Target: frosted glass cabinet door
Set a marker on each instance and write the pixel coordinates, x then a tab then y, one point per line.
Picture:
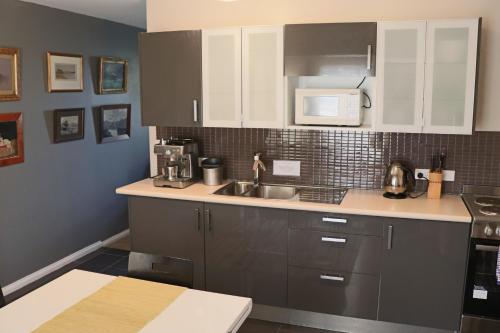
221	67
262	77
450	76
400	76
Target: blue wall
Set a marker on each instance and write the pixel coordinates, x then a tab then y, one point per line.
62	198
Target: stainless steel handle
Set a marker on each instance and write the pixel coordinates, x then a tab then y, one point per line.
334	220
195	110
369	58
209	219
332	278
487	248
334	240
389	237
198	221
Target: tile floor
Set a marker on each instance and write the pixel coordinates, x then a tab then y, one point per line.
114	261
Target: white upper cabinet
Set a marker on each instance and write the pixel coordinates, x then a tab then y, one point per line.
262	77
400	76
450	76
426	76
221	68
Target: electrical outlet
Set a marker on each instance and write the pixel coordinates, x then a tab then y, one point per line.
448	175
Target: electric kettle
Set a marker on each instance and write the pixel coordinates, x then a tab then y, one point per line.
398	181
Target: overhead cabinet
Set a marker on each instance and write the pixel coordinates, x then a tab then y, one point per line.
170	64
426	76
343	49
243	77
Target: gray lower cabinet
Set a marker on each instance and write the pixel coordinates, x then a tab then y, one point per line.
171	228
170	64
246	252
423	272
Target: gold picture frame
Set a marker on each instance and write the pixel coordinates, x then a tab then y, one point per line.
64	72
10	74
113	75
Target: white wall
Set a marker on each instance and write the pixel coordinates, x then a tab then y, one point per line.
165	15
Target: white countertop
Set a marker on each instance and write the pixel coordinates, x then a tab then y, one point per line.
194	311
358	202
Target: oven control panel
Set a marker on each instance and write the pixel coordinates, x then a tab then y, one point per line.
486	230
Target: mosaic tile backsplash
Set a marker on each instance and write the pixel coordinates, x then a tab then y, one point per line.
347	159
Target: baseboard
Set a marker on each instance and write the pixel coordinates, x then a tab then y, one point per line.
23	282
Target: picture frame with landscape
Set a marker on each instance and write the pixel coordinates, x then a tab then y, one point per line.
11	138
113	75
114	122
64	72
10	74
69	124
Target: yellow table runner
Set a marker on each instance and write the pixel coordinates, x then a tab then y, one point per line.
122	306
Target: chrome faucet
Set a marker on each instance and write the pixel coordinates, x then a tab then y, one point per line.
256	165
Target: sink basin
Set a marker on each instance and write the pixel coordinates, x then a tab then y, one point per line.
266	191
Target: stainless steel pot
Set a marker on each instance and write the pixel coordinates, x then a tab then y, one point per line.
398	181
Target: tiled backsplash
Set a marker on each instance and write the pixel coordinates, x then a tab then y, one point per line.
347	158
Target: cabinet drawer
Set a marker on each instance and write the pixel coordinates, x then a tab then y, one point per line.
350	224
353	295
335	251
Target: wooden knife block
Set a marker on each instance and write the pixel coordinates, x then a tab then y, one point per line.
435	185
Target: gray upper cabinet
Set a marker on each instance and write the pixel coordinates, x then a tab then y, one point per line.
246	252
171	89
170	228
423	273
344	49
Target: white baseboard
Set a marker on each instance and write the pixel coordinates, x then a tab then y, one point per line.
23	282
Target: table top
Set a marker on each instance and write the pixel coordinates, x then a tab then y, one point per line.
193	311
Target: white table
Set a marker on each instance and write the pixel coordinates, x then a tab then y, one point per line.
193	311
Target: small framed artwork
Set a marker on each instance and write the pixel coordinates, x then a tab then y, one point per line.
11	138
10	74
113	75
65	72
114	122
69	124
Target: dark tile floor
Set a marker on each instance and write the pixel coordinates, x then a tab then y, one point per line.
115	262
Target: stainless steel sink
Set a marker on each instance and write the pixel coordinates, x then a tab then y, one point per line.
266	191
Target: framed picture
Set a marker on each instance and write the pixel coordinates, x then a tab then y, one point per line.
114	122
10	74
65	72
11	138
69	124
113	73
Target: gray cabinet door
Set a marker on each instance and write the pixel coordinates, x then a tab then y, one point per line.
423	273
170	78
171	228
330	49
246	252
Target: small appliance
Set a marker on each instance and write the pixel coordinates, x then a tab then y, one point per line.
481	313
398	181
178	163
337	107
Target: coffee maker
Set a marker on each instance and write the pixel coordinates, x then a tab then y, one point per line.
178	163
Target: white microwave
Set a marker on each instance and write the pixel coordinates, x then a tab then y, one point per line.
337	107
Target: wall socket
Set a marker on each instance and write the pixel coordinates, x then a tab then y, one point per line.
448	175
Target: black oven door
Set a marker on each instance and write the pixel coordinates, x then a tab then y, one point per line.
482	291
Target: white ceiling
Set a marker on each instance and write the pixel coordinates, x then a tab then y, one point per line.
131	12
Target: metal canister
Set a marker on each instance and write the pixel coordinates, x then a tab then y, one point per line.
212	171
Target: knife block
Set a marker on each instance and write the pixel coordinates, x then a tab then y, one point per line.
435	185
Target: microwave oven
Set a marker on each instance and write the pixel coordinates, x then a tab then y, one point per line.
336	107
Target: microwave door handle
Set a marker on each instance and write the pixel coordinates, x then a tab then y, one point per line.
369	58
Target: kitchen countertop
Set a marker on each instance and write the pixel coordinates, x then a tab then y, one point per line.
358	202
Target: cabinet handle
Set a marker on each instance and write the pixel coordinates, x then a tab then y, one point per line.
334	220
334	240
195	110
369	58
332	278
198	221
389	237
209	220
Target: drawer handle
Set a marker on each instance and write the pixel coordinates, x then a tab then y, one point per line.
334	240
334	220
332	278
